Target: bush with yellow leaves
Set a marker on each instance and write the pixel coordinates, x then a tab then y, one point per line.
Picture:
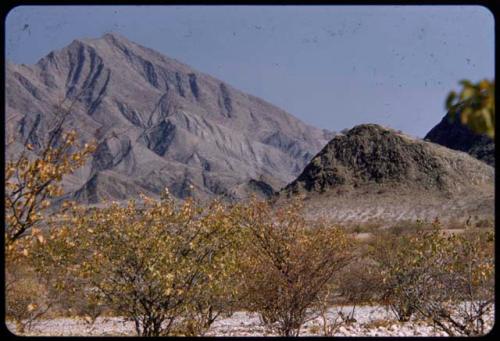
447	279
32	179
166	267
26	298
288	264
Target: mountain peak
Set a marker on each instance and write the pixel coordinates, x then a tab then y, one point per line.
109	37
174	125
373	129
115	38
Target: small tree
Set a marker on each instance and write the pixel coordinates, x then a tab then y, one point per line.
288	264
161	266
32	178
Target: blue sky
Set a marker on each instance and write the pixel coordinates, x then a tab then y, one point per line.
331	66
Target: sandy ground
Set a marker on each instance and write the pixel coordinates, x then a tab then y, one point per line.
370	321
359	207
368	235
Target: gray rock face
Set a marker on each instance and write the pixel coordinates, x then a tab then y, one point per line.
158	123
454	135
374	172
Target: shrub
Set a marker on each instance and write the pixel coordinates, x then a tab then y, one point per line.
461	294
288	264
26	298
160	265
401	262
447	279
359	282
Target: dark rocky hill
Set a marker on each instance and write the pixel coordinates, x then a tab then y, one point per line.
374	173
158	123
455	135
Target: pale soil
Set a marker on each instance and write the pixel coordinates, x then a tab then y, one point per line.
368	235
371	321
357	207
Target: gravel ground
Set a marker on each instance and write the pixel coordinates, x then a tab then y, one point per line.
370	321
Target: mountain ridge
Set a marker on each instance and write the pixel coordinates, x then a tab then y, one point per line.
150	113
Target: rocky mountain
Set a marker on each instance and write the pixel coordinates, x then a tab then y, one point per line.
453	134
374	173
158	123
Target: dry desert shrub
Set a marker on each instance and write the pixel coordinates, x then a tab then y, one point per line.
166	267
359	282
288	264
447	279
26	296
